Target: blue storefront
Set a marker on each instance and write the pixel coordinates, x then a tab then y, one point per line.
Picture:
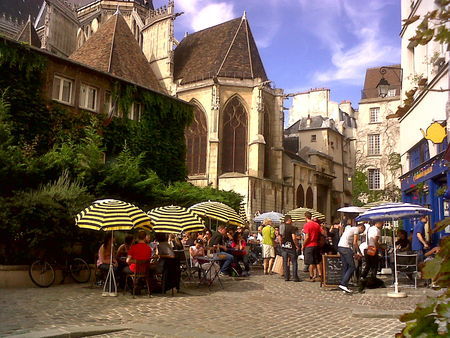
427	185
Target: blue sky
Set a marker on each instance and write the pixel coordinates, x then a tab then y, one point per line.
309	43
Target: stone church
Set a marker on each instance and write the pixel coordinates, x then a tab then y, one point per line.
236	139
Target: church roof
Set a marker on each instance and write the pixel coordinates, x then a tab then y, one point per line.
21	9
113	49
28	34
227	50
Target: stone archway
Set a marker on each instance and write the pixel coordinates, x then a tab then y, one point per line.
300	197
309	198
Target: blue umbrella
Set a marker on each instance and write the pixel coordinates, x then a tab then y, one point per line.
393	211
276	217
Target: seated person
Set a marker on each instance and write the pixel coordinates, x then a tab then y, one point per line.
240	253
138	252
104	254
168	263
218	242
191	239
197	250
122	252
175	242
402	244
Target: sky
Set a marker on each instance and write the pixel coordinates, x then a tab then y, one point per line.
308	44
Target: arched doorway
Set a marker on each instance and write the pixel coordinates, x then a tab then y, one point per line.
309	198
234	137
300	197
196	143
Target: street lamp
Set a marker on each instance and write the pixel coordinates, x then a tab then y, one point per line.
383	85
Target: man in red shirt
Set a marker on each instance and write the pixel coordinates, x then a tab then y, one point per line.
139	251
310	248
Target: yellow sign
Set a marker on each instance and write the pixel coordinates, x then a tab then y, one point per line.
422	173
436	132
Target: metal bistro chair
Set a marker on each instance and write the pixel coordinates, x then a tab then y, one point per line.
407	264
142	272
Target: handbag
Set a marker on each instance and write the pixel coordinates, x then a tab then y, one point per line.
278	265
371	250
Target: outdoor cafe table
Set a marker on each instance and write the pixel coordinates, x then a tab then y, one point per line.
215	258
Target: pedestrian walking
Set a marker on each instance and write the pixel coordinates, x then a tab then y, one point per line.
268	234
289	249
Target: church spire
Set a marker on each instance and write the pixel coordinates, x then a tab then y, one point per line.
244	16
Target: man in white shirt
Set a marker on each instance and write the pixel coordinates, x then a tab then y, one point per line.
348	248
373	240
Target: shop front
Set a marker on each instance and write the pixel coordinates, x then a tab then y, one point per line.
427	185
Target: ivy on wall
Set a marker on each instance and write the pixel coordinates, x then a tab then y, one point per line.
363	195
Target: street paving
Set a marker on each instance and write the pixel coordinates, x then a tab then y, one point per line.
258	306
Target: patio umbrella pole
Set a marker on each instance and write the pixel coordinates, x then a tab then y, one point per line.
110	278
396	293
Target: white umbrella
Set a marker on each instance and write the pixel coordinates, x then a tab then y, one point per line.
352	209
394	211
276	217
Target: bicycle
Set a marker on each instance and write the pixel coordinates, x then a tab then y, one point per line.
42	272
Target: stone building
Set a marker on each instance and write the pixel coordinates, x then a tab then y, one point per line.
425	103
323	136
377	146
236	139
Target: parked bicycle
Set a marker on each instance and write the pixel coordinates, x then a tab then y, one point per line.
43	271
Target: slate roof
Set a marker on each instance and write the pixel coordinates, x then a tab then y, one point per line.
113	49
28	34
21	9
373	77
81	3
317	122
296	157
227	50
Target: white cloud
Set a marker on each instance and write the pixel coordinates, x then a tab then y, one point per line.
201	14
361	21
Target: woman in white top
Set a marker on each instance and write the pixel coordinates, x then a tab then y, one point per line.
347	248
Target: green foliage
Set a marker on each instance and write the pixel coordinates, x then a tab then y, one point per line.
433	25
362	194
432	318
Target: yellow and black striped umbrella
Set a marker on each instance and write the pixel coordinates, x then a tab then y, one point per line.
217	211
112	215
298	215
175	219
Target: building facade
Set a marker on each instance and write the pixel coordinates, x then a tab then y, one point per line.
324	137
377	146
424	117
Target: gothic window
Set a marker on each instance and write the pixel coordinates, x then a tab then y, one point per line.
234	139
196	143
300	197
268	140
309	198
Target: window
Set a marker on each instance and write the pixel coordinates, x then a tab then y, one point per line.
374	144
375	115
418	154
391	92
136	112
196	143
108	103
88	97
313	138
374	179
62	89
234	140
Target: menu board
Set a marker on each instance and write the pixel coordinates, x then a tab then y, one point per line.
332	270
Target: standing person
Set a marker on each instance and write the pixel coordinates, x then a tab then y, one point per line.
218	242
310	248
348	247
289	249
418	242
335	233
373	240
268	234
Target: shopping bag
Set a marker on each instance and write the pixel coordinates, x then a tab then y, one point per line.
278	265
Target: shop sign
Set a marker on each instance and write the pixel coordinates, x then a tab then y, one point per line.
423	173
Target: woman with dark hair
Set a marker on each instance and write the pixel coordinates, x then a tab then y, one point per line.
240	251
402	242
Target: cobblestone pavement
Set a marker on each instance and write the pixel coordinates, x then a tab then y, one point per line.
258	306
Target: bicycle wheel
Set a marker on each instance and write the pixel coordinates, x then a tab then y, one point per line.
80	270
41	273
